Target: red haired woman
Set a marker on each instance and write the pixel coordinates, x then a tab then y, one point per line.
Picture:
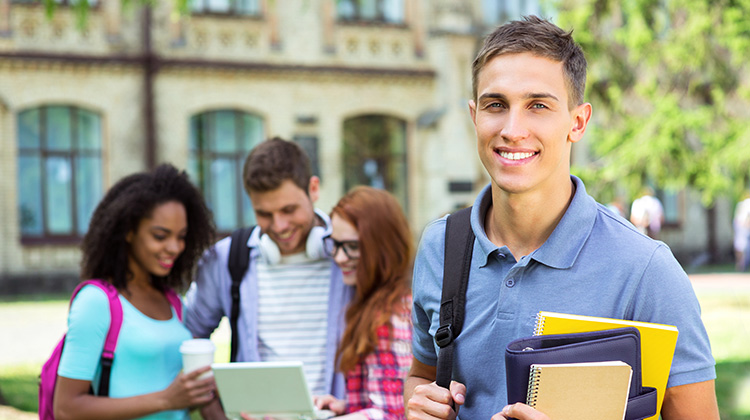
371	243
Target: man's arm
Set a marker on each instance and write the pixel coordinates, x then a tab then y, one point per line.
692	401
424	399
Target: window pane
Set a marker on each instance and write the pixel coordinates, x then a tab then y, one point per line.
89	131
367	10
218	6
88	189
248	215
393	11
252	132
57	128
224	133
223	194
346	9
28	129
247	7
57	201
30	195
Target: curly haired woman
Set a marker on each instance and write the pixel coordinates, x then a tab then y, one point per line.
144	238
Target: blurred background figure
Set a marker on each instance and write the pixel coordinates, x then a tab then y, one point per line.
742	233
647	213
372	244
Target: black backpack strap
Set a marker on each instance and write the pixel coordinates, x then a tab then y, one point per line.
459	246
238	261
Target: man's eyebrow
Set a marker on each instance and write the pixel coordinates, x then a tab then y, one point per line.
492	96
541	95
531	95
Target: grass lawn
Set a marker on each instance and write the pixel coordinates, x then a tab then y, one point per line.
725	314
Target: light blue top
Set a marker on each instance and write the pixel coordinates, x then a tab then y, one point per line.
147	357
594	263
209	299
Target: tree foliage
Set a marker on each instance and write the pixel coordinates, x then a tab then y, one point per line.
666	79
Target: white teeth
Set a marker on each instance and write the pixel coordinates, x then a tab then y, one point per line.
517	155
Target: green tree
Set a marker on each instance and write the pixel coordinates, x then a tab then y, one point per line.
666	78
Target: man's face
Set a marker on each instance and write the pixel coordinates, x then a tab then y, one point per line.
523	123
286	214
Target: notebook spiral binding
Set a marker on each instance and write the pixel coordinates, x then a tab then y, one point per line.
532	392
539	325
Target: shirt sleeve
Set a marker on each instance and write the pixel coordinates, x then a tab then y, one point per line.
426	288
666	296
375	387
203	308
88	323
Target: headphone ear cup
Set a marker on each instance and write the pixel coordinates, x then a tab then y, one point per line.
269	250
314	245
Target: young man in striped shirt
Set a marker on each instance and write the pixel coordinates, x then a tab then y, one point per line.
292	298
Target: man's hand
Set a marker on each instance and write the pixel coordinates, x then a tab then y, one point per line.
424	399
521	412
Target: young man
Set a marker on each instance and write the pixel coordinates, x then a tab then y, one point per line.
292	296
542	243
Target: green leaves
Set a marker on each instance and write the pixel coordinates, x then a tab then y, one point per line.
665	82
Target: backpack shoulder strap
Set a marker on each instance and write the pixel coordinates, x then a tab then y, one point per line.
459	246
175	301
237	263
110	343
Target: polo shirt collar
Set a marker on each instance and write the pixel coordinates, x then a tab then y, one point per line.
564	244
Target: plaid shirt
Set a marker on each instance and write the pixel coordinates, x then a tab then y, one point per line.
375	387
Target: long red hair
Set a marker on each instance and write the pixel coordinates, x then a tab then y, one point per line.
383	271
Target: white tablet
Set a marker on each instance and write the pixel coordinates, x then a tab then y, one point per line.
275	389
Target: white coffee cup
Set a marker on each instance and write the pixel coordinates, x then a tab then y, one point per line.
196	353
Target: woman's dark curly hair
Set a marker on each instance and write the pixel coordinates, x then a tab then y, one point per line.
105	250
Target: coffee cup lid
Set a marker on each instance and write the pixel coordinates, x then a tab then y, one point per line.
197	345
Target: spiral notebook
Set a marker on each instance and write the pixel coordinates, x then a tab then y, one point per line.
657	343
580	391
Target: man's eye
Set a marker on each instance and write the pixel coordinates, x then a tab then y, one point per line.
539	106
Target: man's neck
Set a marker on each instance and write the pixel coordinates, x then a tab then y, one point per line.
523	222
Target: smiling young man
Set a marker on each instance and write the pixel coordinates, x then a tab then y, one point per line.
292	298
542	243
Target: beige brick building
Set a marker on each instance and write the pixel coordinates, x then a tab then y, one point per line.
375	90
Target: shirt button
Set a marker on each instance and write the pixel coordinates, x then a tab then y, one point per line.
510	282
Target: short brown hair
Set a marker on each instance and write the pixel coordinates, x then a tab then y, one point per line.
274	161
542	38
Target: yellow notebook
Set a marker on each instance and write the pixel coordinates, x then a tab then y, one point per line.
580	391
657	343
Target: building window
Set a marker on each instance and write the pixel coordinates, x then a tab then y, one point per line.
310	145
375	154
59	171
219	143
226	7
380	11
497	12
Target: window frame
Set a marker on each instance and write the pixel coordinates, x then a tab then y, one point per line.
232	12
72	156
201	156
381	19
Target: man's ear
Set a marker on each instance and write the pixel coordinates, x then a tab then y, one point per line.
473	111
313	189
581	117
129	237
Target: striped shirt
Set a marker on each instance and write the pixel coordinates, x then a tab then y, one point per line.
293	314
375	387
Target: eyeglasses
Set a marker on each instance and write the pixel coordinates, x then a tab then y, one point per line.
332	246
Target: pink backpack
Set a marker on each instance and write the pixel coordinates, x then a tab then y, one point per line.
48	378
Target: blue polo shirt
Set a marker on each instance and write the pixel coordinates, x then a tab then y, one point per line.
594	263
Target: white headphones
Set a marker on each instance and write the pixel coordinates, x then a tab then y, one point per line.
314	249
